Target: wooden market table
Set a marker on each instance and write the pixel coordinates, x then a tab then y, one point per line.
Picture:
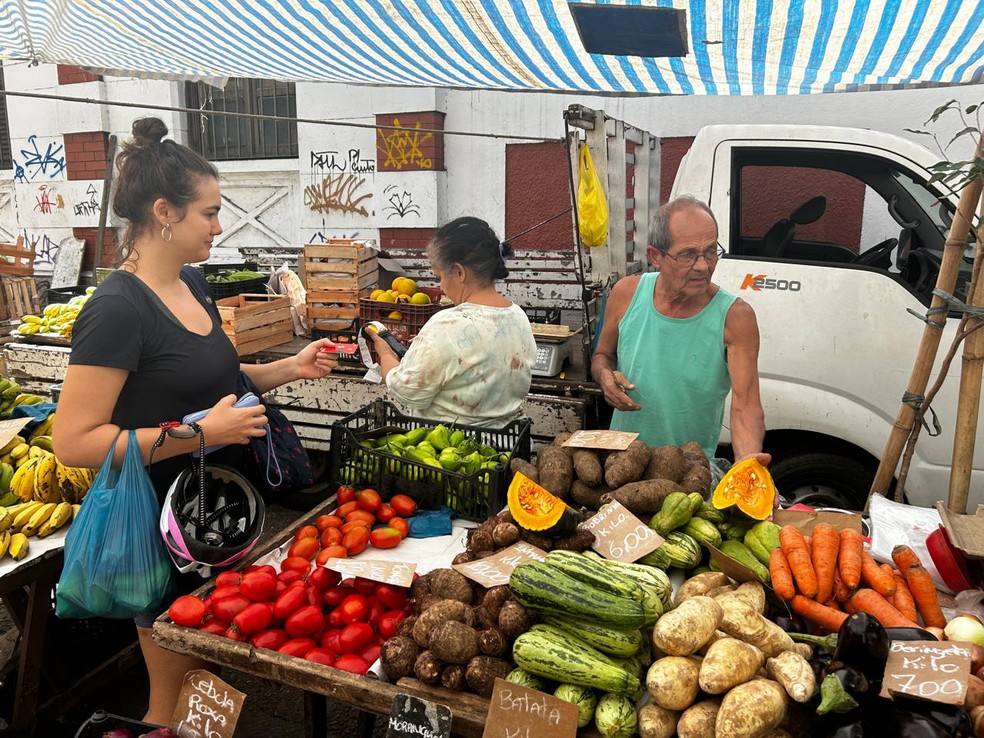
367	694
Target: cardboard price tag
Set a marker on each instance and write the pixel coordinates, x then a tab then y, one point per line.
620	535
414	717
608	439
397	573
207	707
806	520
495	569
515	710
929	670
11	427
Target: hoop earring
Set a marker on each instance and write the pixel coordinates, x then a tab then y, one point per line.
166	232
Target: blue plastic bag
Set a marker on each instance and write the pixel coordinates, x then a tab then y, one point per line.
116	565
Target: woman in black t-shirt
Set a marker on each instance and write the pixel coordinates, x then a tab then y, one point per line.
146	350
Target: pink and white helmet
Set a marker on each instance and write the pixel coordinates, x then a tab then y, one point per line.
212	517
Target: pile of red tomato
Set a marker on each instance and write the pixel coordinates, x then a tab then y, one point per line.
310	614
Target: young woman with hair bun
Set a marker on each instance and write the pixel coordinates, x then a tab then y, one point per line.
148	348
472	363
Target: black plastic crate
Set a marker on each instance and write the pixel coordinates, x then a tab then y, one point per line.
548	316
64	294
472	497
102	721
218	290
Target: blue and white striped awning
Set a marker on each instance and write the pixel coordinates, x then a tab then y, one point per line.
736	47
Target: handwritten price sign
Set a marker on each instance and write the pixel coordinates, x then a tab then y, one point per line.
930	670
396	573
207	707
495	570
620	535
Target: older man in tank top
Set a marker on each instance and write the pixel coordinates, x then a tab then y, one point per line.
673	343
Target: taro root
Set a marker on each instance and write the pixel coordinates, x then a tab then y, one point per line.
588	497
514	619
449	584
438	613
427	668
505	534
697	479
482	672
420	586
587	467
694	452
491	642
623	467
453	642
425	601
521	466
481	540
542	542
398	656
463	558
580	540
453	677
487	613
405	626
556	470
665	462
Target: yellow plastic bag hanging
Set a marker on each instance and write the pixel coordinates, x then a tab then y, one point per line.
592	209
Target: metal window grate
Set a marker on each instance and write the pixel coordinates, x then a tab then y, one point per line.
6	158
225	138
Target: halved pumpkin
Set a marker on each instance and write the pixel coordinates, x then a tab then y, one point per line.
748	485
536	509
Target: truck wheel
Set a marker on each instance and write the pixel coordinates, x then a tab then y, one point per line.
822	480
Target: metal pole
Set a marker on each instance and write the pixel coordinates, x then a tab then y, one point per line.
104	207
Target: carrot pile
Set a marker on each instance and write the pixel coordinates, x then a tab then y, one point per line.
828	575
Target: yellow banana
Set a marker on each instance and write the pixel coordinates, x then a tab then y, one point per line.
75	511
61	516
19	546
6	474
66	482
12	444
43	442
43	428
6	519
4	542
19	450
45	478
30	319
22	483
33	451
39	518
26	398
23	514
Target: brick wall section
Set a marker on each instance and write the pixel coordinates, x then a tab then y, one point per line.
538	188
409	150
85	155
405	238
69	75
109	254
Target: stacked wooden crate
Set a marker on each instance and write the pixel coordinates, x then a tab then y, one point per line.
336	274
256	322
19	293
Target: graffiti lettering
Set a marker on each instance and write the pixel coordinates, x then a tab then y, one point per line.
401	147
401	204
45	204
326	162
50	163
44	248
339	193
89	207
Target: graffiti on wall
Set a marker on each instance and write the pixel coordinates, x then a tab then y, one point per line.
401	147
90	206
338	193
328	162
33	163
48	200
45	249
400	203
319	236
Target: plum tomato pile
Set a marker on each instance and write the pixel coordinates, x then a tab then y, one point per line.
313	615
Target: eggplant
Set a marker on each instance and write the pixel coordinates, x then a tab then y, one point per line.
843	689
909	634
863	643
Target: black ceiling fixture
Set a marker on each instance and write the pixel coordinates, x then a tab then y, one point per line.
631	30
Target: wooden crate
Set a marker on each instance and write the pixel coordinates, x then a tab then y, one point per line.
17	259
336	274
19	296
256	322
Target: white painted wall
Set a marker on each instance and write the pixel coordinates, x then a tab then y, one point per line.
286	203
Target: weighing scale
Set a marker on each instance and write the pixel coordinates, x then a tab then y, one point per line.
552	348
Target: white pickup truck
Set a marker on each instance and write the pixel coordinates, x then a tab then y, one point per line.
834	235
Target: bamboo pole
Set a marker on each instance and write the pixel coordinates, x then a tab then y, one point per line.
953	250
969	396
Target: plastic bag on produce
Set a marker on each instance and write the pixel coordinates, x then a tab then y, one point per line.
285	282
592	209
893	524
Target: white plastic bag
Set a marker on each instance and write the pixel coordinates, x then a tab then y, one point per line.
894	524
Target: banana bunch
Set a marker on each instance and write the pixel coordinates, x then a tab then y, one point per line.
18	523
57	318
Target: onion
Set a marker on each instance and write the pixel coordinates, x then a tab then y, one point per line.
965	628
118	733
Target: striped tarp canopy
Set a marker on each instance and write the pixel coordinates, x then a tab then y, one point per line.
735	47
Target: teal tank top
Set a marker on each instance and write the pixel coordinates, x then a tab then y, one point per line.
678	367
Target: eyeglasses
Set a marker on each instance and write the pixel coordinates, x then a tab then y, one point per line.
689	257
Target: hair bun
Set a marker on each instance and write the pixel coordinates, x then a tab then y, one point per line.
506	250
148	131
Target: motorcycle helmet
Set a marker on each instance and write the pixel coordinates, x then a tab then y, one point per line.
212	517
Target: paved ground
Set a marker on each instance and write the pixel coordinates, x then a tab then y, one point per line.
270	709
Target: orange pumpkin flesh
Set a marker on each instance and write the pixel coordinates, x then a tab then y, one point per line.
536	509
748	485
